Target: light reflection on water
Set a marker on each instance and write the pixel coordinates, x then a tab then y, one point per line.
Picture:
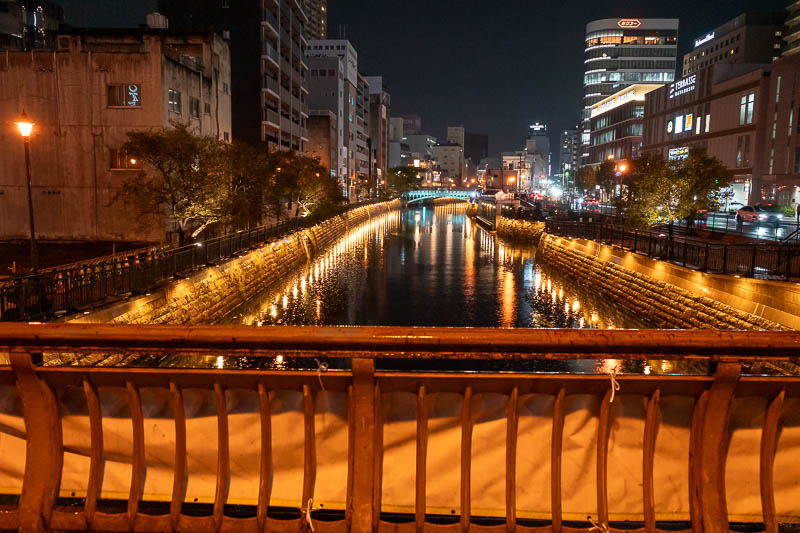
433	266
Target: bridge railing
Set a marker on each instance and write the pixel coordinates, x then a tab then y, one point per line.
45	394
92	283
780	261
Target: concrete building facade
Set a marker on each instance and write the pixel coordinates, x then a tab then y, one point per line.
323	138
450	159
84	97
749	38
326	94
379	110
724	109
569	155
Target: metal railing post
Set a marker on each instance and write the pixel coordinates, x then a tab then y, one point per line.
44	452
753	261
714	448
363	513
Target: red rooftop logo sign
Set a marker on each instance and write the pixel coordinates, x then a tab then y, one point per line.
629	23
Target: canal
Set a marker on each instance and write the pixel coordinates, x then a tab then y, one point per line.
430	266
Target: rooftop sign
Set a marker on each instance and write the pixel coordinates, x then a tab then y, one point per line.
704	39
630	24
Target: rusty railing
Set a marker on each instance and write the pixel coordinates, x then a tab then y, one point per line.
40	388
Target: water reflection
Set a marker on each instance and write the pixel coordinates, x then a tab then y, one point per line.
430	266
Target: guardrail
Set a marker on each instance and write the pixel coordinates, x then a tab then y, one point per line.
43	393
93	283
771	261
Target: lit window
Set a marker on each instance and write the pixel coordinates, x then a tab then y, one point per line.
120	160
125	95
174	101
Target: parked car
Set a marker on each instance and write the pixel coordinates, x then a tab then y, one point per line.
759	214
734	206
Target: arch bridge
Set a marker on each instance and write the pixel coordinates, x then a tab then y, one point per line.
429	193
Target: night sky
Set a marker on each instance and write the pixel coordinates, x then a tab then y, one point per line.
494	66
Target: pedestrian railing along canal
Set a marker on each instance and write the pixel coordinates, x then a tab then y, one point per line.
91	283
232	447
771	261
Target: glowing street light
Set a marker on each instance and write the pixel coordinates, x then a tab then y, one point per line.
25	128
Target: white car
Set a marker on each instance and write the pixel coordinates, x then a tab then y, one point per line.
762	215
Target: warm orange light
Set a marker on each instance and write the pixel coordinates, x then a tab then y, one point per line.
610	157
24	125
133	161
623	167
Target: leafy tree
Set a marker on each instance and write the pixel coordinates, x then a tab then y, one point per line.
402	179
186	177
251	175
586	178
664	191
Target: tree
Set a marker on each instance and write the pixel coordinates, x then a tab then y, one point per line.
250	172
665	191
586	178
402	179
186	178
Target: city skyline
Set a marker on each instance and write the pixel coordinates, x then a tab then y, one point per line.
491	93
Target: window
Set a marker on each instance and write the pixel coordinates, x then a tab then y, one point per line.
708	122
225	136
174	101
207	108
746	104
331	73
124	95
194	107
120	160
225	88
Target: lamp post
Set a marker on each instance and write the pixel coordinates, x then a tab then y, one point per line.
25	127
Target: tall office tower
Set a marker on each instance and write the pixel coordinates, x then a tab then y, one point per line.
269	92
621	52
317	13
569	159
749	38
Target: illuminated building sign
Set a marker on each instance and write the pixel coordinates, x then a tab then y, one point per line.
538	127
614	102
683	86
703	40
688	121
678	153
631	24
670	126
132	96
679	124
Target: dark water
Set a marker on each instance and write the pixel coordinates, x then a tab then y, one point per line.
431	266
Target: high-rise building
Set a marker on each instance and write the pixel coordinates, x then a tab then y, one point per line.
749	38
792	32
269	96
29	24
354	109
622	52
569	156
617	123
379	110
326	94
317	13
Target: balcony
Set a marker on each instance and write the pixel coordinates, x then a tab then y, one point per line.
272	85
268	115
270	21
269	51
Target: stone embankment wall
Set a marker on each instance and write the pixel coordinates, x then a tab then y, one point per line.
672	296
519	230
211	294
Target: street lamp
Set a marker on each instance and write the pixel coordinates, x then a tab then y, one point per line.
25	128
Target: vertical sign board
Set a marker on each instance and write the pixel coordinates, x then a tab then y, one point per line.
132	95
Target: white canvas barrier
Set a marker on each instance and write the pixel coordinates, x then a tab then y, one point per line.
488	412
